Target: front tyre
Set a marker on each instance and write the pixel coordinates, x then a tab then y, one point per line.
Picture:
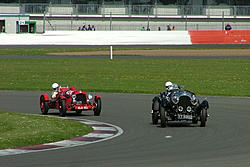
163	117
203	117
62	108
44	106
98	109
78	112
155	118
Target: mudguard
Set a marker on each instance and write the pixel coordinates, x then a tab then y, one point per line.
97	97
204	105
46	97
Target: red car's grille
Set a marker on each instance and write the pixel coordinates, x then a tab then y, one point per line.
81	99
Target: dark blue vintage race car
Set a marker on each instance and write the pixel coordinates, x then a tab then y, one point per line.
179	105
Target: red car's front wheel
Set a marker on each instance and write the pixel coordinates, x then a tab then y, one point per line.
98	109
44	106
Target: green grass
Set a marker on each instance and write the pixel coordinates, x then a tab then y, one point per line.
44	51
220	77
19	130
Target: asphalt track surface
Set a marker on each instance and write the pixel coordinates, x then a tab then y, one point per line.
224	142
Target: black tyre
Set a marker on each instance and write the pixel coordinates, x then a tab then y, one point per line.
155	104
203	118
44	106
79	111
98	109
163	117
195	120
155	117
62	108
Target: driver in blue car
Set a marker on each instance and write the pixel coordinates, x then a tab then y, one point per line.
169	87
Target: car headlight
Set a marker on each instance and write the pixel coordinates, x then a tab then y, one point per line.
189	109
180	108
175	99
194	100
74	98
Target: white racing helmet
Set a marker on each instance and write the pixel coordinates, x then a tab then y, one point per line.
169	85
55	85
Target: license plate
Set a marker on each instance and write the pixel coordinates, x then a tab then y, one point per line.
79	107
184	116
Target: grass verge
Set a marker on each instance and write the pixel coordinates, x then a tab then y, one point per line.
19	130
215	77
44	51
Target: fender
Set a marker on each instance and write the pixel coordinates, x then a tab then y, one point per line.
204	104
97	97
46	97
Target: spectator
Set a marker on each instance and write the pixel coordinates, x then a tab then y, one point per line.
228	27
89	28
173	28
143	29
79	28
159	28
148	29
3	29
168	27
84	28
93	28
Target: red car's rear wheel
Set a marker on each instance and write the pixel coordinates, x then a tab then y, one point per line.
62	108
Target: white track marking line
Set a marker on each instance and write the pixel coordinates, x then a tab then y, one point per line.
104	128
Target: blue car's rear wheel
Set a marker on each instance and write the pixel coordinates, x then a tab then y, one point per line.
163	117
155	117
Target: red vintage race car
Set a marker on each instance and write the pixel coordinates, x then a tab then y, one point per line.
68	100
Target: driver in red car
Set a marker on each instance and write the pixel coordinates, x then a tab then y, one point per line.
71	91
55	87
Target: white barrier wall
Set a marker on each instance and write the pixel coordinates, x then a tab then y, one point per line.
9	9
99	38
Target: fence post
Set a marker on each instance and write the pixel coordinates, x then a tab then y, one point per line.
44	20
110	24
235	12
71	23
111	53
222	20
186	20
148	20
